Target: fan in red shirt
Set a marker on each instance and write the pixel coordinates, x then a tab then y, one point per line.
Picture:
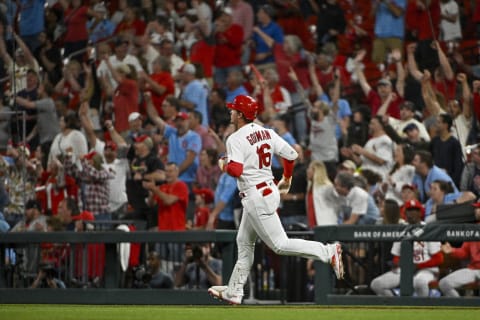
131	24
326	62
76	36
172	199
228	50
54	186
160	83
384	100
476	17
203	198
476	98
422	23
71	84
422	19
125	99
202	52
290	55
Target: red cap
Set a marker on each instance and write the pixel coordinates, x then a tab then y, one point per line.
414	204
181	115
84	216
90	155
141	138
476	204
409	186
110	144
206	193
145	139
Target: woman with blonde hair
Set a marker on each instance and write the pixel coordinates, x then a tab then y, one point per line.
321	197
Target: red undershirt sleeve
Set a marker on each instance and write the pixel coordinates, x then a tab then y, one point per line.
435	260
234	169
396	260
287	168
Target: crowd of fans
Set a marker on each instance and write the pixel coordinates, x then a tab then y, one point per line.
117	108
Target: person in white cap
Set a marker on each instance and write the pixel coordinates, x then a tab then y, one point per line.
135	122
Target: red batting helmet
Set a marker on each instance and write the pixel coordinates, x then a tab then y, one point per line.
246	105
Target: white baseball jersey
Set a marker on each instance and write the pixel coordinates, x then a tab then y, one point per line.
254	146
422	251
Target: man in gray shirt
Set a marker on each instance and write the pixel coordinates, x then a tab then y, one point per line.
47	120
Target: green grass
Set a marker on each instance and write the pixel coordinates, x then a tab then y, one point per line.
88	312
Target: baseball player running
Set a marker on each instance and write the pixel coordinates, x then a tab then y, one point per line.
250	150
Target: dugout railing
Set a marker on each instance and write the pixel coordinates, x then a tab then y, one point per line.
371	235
110	290
273	279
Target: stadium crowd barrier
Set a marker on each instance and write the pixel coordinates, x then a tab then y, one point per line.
326	295
274	279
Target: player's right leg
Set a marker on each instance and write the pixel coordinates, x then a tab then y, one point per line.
336	261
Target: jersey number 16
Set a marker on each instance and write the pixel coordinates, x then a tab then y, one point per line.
264	156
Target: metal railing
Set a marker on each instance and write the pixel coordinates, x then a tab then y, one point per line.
383	234
109	291
273	279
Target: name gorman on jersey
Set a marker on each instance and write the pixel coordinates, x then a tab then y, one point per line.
258	136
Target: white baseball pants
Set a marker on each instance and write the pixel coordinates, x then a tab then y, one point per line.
261	219
383	284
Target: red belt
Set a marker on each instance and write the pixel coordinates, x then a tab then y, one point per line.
261	185
258	186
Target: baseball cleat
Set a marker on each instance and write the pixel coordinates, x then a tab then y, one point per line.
336	261
221	293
